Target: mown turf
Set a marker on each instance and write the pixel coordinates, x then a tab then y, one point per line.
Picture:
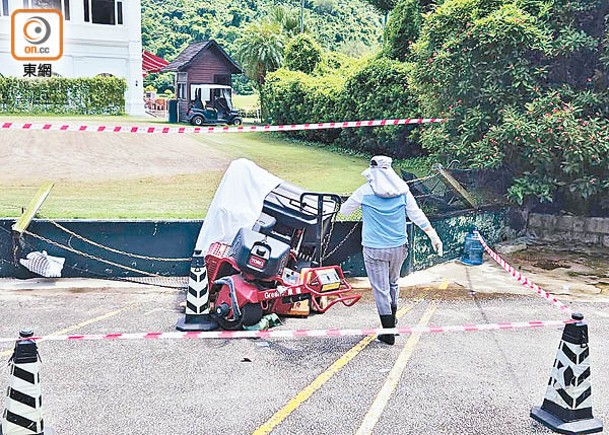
188	195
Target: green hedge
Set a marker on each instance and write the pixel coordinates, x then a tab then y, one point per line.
302	54
376	89
58	95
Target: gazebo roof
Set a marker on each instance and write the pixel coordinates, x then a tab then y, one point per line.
189	53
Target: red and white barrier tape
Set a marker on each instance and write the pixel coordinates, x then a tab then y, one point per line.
202	130
522	279
301	333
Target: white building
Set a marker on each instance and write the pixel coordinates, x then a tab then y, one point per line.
100	37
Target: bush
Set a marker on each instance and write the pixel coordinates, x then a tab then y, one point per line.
82	96
403	29
554	152
302	54
293	97
378	89
481	62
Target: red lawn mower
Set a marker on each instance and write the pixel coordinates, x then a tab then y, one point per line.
278	262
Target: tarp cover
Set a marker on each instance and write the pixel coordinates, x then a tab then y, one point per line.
237	203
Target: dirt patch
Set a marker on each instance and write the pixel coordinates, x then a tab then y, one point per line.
453	292
580	262
550	265
578	269
36	156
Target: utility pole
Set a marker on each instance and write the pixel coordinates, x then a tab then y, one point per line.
302	4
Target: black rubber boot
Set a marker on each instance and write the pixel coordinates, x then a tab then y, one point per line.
388	321
394	310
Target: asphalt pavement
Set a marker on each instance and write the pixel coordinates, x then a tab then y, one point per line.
445	383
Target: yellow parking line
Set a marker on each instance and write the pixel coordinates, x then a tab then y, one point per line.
80	325
377	408
308	391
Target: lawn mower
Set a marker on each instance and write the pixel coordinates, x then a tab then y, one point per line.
277	263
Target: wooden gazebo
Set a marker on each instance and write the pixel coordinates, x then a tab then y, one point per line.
200	63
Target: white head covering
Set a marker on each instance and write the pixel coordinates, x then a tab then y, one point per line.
382	178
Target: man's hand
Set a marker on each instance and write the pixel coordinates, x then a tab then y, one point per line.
436	243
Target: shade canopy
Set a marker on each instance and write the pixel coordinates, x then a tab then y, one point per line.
152	63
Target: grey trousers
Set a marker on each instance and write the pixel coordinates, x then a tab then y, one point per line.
383	267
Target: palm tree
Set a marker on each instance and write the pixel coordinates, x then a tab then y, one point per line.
288	20
260	50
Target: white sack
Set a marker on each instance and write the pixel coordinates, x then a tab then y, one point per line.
43	264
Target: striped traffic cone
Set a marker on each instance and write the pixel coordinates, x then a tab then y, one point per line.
23	407
567	406
197	316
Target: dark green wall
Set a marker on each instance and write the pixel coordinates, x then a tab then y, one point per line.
176	239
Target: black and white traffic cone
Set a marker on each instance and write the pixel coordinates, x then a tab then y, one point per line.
23	407
567	406
197	316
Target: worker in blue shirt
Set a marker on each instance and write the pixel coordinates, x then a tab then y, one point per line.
386	201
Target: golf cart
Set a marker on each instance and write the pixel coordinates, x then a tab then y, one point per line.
212	105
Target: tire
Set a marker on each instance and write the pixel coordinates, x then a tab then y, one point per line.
250	315
197	120
237	121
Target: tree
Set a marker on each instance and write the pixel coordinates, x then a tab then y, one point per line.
403	29
523	86
383	6
260	50
302	54
287	20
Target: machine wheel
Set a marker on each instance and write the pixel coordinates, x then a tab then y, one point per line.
237	121
197	120
250	315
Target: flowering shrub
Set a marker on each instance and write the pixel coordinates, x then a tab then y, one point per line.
524	86
553	150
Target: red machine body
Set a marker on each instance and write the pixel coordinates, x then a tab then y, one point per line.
252	297
278	262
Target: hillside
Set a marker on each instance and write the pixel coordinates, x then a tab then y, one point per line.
168	26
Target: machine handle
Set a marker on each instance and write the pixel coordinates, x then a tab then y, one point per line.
321	197
321	228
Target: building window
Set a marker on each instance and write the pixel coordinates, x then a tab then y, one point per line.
5	7
103	12
62	6
104	75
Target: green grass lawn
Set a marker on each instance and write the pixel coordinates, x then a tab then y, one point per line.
246	101
189	195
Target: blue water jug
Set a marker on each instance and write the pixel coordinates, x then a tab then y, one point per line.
472	250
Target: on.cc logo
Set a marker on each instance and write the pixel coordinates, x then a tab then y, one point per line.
37	30
37	34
